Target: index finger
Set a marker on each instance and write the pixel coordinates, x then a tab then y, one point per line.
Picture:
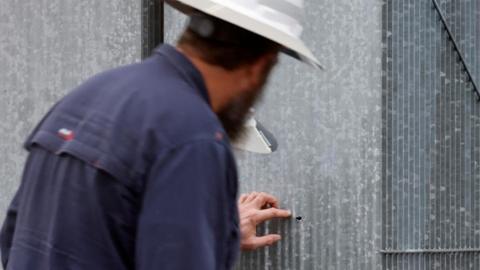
264	198
271	213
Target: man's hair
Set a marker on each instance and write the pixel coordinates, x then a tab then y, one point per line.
220	43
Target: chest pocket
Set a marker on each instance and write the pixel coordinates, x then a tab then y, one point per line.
94	139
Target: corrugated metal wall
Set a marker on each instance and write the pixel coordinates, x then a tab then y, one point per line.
328	166
431	140
46	48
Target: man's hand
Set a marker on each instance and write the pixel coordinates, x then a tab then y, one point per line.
254	209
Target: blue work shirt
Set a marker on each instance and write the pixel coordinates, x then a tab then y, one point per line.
131	170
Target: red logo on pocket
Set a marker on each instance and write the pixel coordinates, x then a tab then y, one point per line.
66	134
219	136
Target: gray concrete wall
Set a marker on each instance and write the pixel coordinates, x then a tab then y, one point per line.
328	166
47	48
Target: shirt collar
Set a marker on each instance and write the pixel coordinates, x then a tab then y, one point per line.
185	68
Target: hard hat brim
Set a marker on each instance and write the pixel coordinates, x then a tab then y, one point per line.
294	47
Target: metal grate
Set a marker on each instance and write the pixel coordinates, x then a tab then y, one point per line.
456	48
431	142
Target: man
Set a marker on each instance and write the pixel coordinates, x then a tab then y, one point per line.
133	169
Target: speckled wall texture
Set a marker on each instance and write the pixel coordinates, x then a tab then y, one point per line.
46	48
328	166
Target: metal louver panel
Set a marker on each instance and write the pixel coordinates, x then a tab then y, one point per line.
431	137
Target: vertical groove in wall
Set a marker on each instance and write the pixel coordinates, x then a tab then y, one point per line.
431	183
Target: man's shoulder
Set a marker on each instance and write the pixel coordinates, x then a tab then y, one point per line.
132	76
119	119
148	96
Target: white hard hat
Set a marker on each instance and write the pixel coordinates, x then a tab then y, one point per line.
277	20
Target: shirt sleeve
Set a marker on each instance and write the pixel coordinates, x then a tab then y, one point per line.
8	229
188	207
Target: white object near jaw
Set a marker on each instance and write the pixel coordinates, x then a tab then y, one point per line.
255	139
